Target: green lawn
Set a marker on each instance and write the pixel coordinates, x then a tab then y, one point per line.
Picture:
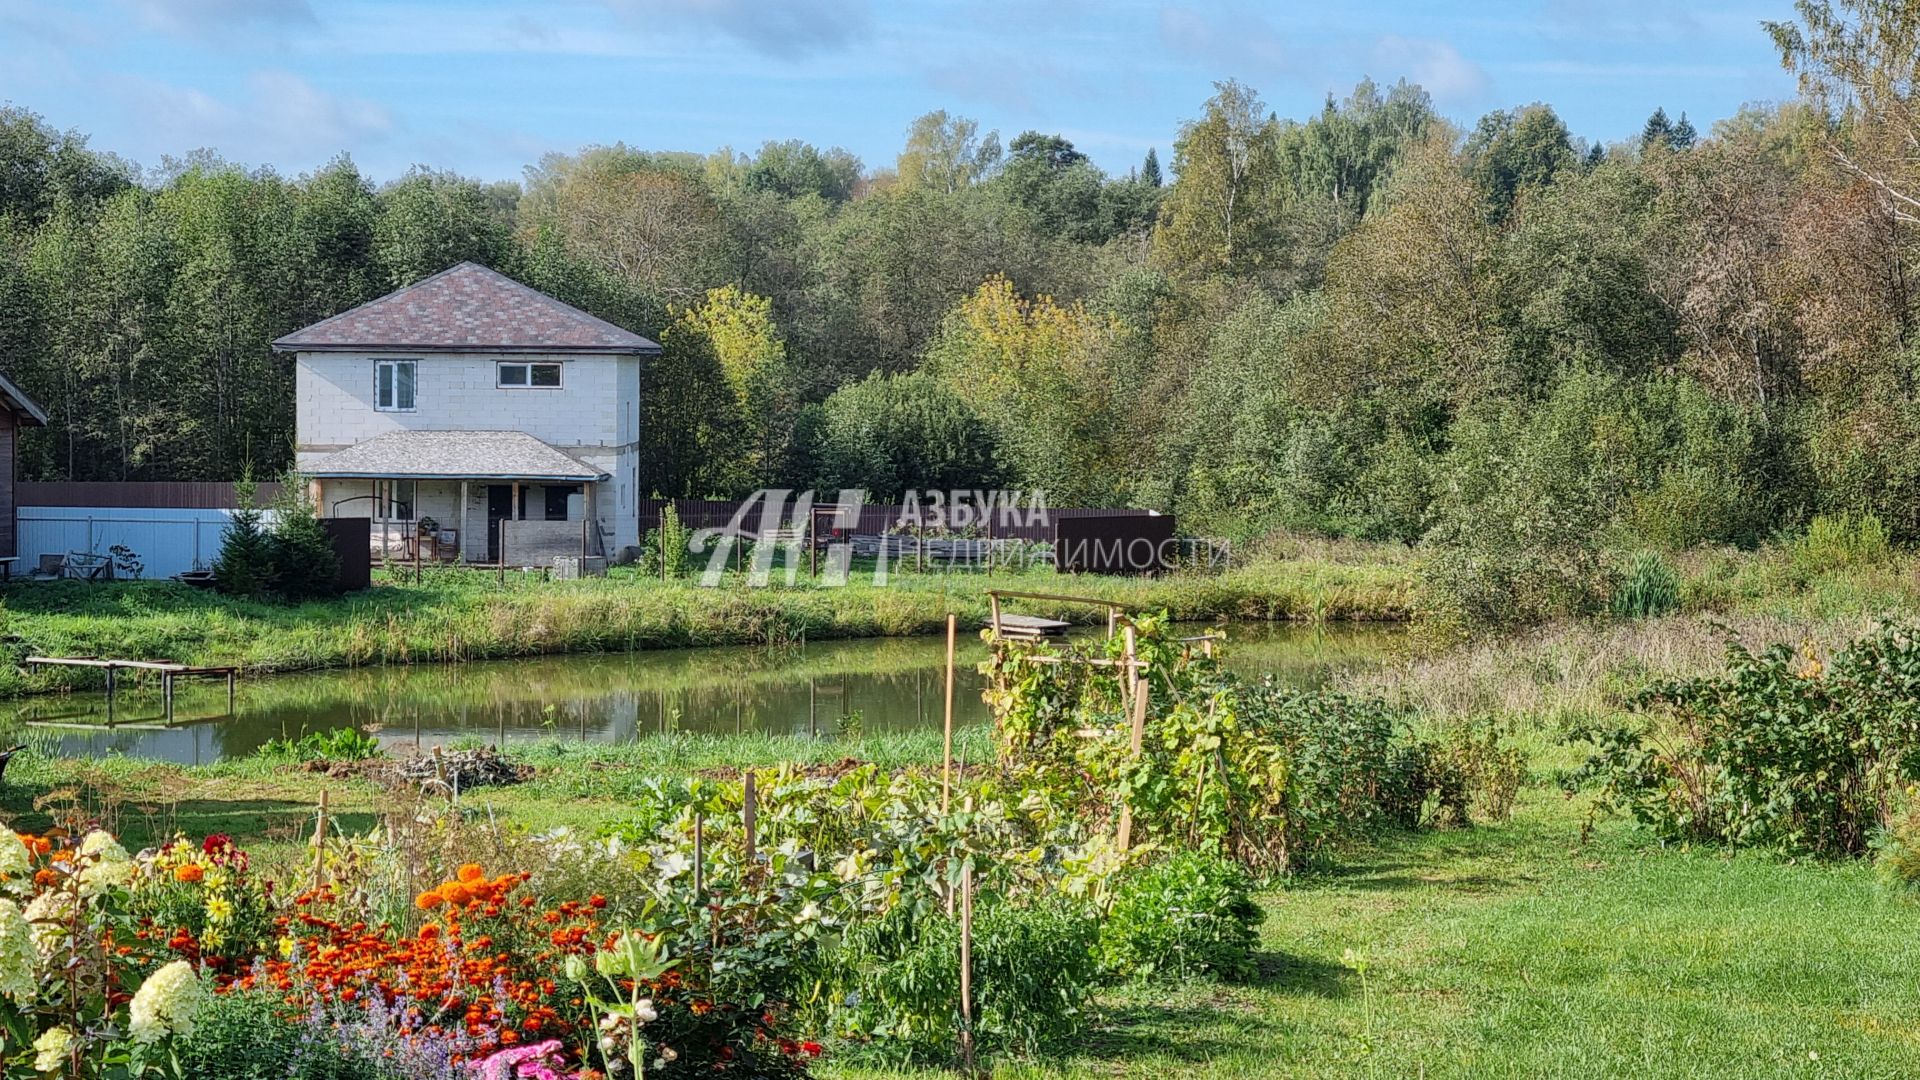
1508	952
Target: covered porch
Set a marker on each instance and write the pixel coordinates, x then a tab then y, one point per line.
481	498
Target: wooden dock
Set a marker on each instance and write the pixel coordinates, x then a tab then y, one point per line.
166	669
1031	626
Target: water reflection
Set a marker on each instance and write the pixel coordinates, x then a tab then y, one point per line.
890	685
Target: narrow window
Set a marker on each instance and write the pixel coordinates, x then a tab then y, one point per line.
393	382
525	376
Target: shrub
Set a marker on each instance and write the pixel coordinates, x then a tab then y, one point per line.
896	978
1189	915
1650	588
337	744
668	543
1896	851
1779	750
1839	542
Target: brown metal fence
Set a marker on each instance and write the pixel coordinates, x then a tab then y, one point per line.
874	519
144	494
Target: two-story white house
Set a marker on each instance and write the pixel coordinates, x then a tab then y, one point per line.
470	399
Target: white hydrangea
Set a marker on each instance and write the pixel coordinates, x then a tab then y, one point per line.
108	865
16	862
166	1003
100	844
17	982
49	913
53	1050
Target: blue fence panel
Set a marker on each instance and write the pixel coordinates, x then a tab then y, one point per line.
166	541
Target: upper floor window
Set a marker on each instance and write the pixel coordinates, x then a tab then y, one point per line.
393	385
525	376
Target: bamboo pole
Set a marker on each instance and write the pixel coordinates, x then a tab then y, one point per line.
1135	740
946	741
966	972
320	840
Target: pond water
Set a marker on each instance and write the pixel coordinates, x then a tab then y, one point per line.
892	684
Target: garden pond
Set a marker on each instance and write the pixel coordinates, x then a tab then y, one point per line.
823	688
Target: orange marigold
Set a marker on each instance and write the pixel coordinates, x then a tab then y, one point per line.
455	893
190	873
428	900
471	873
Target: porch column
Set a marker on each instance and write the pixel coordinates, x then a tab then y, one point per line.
463	521
317	493
593	516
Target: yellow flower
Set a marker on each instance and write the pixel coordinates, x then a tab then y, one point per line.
286	948
219	909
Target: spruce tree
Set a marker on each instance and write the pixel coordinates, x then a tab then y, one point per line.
1659	129
304	564
245	564
1684	136
1150	169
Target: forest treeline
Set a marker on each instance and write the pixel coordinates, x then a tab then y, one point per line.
1365	322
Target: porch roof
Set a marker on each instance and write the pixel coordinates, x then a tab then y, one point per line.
449	455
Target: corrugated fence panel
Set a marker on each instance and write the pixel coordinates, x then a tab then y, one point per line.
193	495
168	541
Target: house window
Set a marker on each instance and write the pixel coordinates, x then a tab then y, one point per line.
393	385
527	376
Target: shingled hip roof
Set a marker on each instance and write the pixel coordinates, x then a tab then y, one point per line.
449	455
466	308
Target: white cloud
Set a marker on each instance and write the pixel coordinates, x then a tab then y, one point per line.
1437	66
284	118
1243	42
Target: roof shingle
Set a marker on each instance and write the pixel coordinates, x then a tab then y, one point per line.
466	308
449	455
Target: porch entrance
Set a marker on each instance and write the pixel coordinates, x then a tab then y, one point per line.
499	508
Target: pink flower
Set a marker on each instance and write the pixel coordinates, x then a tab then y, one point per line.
540	1061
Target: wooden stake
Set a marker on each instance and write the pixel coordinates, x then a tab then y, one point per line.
966	971
1135	740
747	814
699	856
320	839
946	742
1126	680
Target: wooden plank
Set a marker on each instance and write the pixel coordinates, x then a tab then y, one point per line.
1031	624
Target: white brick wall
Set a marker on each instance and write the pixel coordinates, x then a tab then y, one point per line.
597	404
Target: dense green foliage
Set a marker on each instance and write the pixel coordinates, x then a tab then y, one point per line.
1779	750
1190	914
292	559
1273	777
1507	341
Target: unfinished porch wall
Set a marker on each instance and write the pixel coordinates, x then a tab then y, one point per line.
535	543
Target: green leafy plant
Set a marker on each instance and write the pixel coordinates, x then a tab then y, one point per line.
1191	914
1650	588
1781	749
335	744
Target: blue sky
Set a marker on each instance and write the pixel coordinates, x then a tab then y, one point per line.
487	87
